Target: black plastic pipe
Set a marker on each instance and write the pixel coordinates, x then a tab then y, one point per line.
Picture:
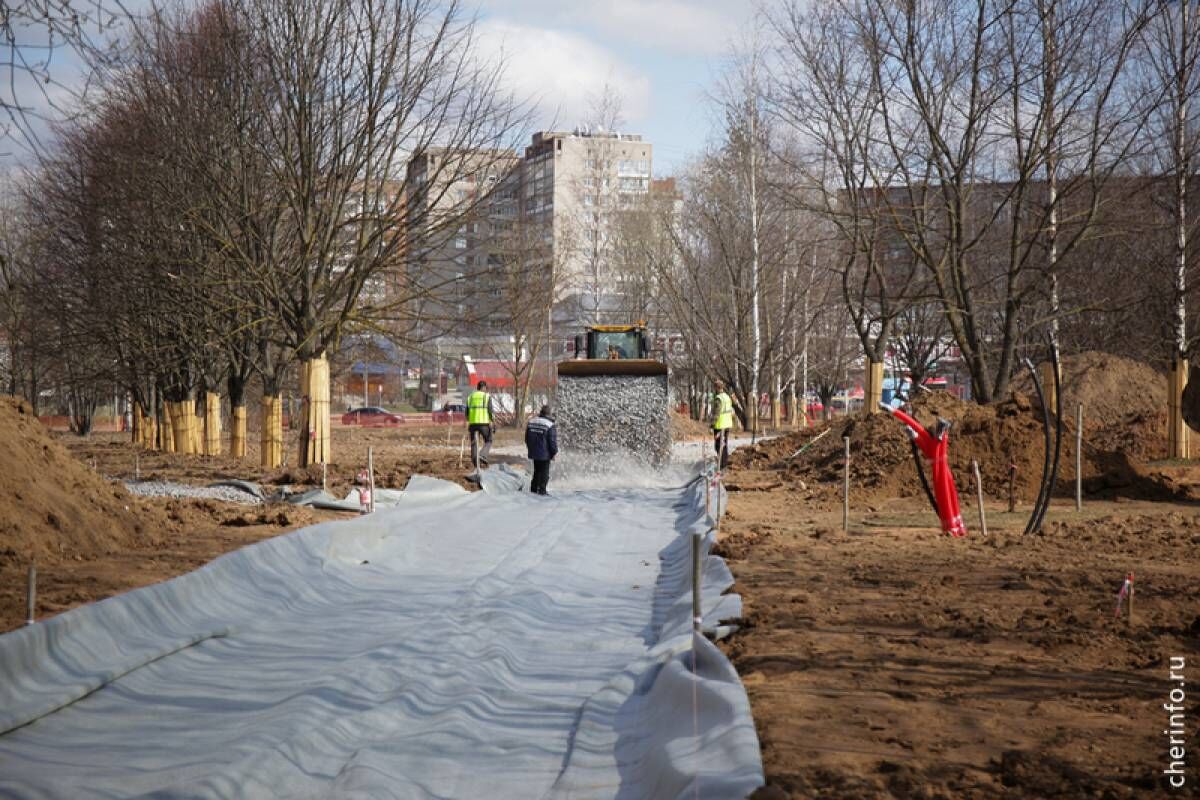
918	459
1037	386
1057	437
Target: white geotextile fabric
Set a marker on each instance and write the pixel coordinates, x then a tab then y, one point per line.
487	645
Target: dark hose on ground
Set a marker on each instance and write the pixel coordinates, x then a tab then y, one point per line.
917	459
1037	386
1057	435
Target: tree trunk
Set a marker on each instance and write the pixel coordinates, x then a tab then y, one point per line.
873	387
237	433
314	435
166	429
1047	370
149	430
237	402
212	424
271	436
182	414
196	409
1178	438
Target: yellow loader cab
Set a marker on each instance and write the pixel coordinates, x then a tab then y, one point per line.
612	350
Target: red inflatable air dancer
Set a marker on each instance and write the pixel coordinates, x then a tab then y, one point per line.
936	450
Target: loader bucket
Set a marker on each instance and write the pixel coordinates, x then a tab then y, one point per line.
606	410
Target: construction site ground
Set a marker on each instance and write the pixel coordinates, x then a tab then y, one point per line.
893	661
885	661
154	539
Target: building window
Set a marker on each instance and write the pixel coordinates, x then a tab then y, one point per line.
460	243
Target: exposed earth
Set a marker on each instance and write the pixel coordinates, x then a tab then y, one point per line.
886	661
893	661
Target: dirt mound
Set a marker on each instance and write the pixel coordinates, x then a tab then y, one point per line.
997	436
1124	403
684	427
52	507
1112	389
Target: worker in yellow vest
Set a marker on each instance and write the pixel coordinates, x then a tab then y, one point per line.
722	423
479	422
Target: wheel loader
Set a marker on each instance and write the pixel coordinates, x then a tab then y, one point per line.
613	396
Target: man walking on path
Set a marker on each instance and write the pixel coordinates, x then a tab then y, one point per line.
541	442
722	423
479	422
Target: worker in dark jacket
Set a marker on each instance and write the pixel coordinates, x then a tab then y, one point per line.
541	441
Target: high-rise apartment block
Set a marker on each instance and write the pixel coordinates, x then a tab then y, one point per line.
508	226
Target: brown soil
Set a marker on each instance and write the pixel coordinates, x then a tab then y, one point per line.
892	661
996	436
895	662
1124	403
61	503
398	453
684	428
52	507
1111	388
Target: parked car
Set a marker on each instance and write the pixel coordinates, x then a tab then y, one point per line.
371	415
451	412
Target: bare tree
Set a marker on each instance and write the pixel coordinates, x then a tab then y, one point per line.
975	102
521	285
1170	52
36	39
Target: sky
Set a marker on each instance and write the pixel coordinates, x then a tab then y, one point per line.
663	57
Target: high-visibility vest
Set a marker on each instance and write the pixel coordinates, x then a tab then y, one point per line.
477	409
724	419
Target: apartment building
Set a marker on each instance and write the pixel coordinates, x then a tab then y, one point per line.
457	205
576	186
502	244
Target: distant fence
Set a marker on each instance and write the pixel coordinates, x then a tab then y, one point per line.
117	424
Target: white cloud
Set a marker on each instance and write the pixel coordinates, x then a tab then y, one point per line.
561	72
692	27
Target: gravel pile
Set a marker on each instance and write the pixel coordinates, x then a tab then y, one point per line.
607	413
168	489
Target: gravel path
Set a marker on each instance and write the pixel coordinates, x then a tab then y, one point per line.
168	489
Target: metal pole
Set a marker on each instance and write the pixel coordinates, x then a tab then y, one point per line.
846	486
718	493
371	479
31	595
1131	592
1012	488
325	476
979	496
697	615
1079	457
462	446
137	466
